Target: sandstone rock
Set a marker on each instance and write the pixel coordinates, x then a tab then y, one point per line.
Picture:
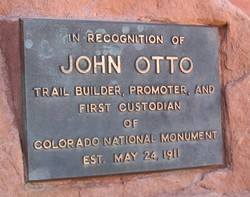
11	163
44	192
165	183
114	190
243	5
238	177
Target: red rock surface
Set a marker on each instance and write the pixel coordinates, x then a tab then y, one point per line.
234	27
244	5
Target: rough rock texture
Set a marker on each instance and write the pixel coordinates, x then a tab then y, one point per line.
237	175
243	5
234	27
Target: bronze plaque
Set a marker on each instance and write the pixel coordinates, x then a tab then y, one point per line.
103	98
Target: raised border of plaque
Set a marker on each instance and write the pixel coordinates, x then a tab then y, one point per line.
102	98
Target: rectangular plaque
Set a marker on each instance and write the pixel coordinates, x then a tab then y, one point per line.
105	98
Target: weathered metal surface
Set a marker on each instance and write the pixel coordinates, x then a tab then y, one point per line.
59	123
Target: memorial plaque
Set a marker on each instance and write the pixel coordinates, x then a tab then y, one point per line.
105	98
